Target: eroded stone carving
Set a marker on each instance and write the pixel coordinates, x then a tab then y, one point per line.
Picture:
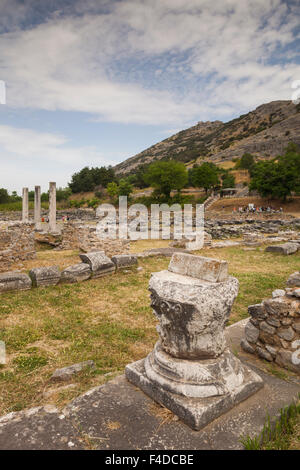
191	359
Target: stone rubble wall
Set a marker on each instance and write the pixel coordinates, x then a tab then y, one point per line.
84	237
16	244
73	214
273	331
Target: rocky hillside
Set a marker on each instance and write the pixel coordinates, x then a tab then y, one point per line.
264	132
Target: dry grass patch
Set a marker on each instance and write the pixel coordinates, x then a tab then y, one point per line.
63	259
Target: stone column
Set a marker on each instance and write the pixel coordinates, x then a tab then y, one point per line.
37	207
191	370
52	207
25	211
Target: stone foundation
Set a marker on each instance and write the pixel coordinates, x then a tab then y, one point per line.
16	244
273	331
76	236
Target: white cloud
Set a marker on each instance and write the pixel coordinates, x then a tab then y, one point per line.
71	62
42	157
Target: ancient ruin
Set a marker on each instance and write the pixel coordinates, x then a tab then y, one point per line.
190	370
16	243
273	331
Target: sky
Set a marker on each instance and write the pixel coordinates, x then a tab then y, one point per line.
91	83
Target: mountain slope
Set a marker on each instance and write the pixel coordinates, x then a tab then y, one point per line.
264	132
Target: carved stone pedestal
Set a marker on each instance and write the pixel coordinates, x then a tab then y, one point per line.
190	371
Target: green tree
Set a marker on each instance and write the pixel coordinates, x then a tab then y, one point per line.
280	177
4	196
125	188
62	194
165	176
112	189
246	162
205	176
88	179
228	180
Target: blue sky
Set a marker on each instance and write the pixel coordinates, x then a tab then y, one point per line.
95	82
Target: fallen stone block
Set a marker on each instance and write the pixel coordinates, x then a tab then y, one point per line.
278	293
285	249
45	276
199	267
166	252
99	263
14	281
64	374
124	261
76	273
294	280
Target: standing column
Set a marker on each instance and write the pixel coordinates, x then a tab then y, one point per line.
25	213
52	207
37	207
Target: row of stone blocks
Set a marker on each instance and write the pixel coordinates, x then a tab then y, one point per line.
94	264
273	331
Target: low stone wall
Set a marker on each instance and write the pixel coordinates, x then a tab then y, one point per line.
273	331
16	244
84	237
94	265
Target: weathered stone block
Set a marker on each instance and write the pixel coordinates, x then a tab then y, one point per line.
284	358
14	281
267	328
76	273
257	311
99	263
264	354
124	261
276	307
296	325
45	276
286	333
294	280
285	249
247	347
273	322
64	374
192	313
271	350
251	332
278	293
199	267
195	412
266	338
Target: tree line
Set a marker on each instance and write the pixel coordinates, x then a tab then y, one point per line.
276	178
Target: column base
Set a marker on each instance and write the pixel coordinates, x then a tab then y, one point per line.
195	412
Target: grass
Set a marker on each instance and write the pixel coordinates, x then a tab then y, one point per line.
284	434
17	206
108	320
